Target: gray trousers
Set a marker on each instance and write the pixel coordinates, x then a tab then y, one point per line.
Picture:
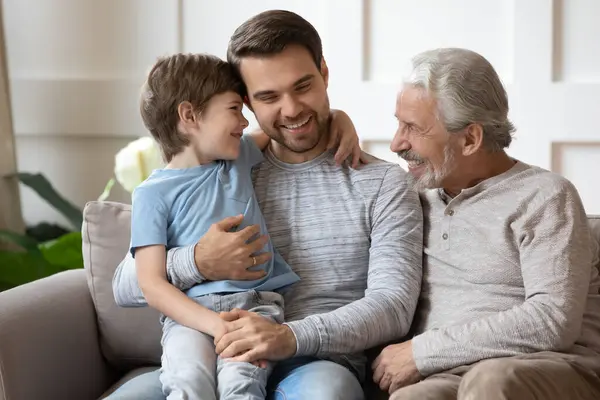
192	370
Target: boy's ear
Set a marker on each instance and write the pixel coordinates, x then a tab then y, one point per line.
186	113
324	71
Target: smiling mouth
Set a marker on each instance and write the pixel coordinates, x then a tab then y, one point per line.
414	163
298	125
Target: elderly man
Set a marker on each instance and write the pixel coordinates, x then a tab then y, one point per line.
510	303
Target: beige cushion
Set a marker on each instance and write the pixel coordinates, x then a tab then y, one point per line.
129	337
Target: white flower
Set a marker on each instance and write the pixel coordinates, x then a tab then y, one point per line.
136	161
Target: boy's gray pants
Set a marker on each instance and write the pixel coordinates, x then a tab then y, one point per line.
192	370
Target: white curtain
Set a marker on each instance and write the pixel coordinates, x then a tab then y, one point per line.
10	205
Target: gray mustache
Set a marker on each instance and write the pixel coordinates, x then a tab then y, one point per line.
408	155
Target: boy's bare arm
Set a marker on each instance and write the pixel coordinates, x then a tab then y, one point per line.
161	295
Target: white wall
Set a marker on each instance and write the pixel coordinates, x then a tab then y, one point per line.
76	67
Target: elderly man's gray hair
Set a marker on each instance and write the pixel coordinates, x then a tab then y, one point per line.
467	90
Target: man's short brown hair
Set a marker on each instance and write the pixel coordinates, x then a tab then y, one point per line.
195	78
269	33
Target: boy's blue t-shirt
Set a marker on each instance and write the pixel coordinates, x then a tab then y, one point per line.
176	207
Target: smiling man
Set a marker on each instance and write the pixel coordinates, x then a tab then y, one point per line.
510	303
354	236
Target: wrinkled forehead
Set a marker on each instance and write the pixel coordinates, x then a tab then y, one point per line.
416	101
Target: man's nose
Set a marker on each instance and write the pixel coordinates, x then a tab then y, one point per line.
400	142
290	107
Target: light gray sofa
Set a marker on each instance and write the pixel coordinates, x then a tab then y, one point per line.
64	337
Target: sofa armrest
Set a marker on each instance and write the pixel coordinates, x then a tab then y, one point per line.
49	346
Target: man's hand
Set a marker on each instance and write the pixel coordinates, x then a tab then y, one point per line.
395	367
222	330
251	337
342	135
221	254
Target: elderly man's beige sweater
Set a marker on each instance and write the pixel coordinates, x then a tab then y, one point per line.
509	268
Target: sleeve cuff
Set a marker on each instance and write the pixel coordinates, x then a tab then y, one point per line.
422	355
308	338
181	268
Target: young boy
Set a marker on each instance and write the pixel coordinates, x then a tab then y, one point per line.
192	106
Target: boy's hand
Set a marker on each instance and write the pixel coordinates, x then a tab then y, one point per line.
260	363
221	329
342	135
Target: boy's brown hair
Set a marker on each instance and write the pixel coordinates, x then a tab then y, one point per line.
195	78
269	33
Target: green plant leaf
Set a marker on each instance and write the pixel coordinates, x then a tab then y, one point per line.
65	252
18	268
45	231
45	190
5	286
25	242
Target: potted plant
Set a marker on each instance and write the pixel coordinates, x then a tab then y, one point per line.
45	248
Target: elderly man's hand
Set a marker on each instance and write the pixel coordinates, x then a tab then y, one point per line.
395	367
251	337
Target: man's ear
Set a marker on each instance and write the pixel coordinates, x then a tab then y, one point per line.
186	113
324	71
472	139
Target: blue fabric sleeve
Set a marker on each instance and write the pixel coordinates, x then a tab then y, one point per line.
250	154
148	220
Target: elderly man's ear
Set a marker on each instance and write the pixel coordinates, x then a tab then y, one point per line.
472	140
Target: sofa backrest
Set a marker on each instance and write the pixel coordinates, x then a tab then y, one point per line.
130	337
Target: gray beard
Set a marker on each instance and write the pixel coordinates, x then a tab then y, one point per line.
431	178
